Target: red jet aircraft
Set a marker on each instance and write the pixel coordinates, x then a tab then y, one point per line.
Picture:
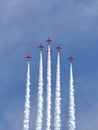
41	47
28	57
71	59
50	51
49	41
58	48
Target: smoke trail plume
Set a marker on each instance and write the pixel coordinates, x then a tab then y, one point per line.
48	110
71	102
57	109
27	101
40	96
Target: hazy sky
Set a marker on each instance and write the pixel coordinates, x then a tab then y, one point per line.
23	26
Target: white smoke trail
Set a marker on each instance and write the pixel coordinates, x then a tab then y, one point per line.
48	110
71	102
57	109
27	101
40	96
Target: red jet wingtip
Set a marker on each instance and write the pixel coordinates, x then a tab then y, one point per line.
48	41
58	48
41	46
50	51
28	57
71	59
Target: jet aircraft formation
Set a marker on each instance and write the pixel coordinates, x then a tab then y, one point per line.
57	106
58	48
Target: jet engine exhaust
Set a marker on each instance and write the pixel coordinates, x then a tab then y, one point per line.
27	101
71	101
48	109
57	109
39	119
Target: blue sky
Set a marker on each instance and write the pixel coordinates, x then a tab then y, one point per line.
23	25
